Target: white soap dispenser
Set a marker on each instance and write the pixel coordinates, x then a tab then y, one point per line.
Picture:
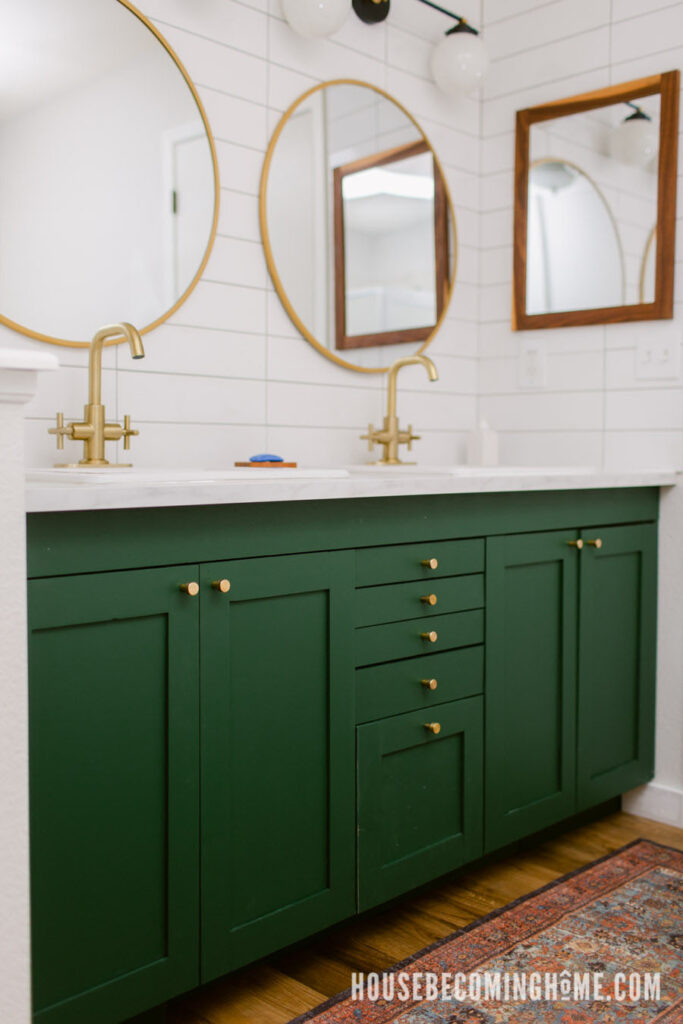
482	446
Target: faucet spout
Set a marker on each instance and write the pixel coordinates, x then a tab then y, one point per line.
393	374
137	350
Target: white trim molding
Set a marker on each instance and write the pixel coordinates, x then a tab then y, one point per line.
18	382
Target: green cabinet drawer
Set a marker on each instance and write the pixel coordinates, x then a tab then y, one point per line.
406	600
420	798
399	562
413	637
397	687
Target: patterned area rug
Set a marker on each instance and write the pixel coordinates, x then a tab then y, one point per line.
618	920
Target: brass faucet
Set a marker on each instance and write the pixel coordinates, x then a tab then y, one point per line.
391	435
94	430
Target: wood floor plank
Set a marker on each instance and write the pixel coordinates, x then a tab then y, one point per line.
296	980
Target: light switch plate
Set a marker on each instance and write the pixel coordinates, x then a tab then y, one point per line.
658	357
531	371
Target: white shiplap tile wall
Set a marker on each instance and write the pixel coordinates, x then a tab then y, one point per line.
228	375
593	409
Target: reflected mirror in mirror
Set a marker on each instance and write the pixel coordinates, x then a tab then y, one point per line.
357	225
594	173
108	192
574	254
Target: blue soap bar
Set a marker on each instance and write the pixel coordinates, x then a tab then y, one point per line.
266	458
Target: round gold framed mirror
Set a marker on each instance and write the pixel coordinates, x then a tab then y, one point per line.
357	225
109	197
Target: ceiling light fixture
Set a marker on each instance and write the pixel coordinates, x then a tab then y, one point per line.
459	61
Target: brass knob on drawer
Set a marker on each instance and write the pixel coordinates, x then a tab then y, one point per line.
431	684
578	544
221	585
429	599
192	589
597	543
431	637
430	563
433	727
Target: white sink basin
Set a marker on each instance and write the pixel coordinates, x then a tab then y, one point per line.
132	477
471	471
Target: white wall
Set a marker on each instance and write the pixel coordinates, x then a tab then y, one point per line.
229	376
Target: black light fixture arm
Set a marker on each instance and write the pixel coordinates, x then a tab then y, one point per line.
462	26
639	114
374	11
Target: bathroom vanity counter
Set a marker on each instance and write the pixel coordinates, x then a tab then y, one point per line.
241	696
58	491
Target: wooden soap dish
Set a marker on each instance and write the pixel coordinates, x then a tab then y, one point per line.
269	465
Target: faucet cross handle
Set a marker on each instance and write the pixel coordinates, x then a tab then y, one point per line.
60	430
411	437
127	433
369	437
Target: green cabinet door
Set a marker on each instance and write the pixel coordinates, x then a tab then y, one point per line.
277	722
617	637
531	591
114	793
420	797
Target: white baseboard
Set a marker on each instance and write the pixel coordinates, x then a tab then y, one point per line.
661	803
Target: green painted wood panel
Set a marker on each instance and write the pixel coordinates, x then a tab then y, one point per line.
396	687
404	600
114	793
66	543
375	644
531	589
617	652
277	754
419	798
402	562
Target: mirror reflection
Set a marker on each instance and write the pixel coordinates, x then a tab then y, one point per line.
108	192
357	225
592	201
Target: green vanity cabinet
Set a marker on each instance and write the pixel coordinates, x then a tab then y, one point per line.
114	792
278	793
617	652
363	695
531	586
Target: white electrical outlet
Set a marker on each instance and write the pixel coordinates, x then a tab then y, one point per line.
532	365
659	357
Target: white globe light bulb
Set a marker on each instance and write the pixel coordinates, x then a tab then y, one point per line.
635	141
459	63
315	18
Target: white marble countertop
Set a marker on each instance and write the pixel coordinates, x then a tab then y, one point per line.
57	491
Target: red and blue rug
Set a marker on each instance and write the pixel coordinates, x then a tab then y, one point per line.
616	924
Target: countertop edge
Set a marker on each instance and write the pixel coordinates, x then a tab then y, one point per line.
70	497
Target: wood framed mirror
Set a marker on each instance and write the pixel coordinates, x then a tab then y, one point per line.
595	179
390	247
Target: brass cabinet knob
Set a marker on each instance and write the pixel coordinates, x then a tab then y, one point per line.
431	684
434	727
430	563
432	636
221	585
192	589
578	544
429	599
597	543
